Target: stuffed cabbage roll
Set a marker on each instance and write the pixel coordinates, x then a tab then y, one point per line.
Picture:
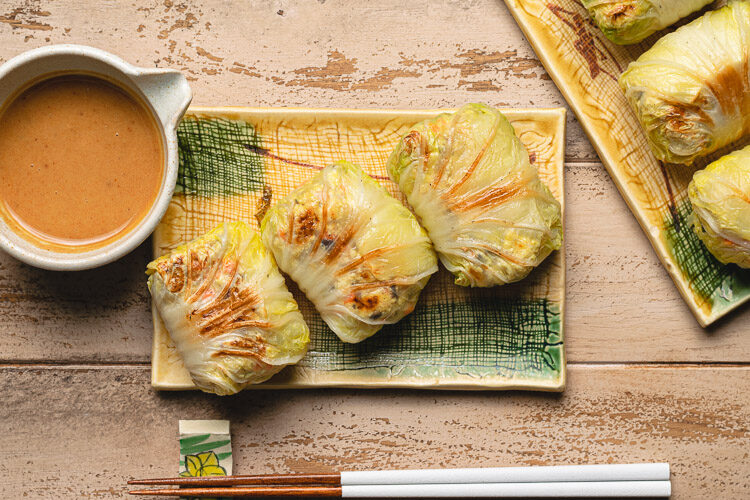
227	309
691	90
630	21
357	253
720	195
468	178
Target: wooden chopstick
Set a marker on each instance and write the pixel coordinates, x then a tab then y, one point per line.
261	480
258	491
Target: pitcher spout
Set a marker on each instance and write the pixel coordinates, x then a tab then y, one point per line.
168	92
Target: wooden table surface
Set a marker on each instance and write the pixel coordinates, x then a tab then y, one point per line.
78	417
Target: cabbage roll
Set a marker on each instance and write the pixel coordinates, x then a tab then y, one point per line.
468	178
357	253
720	195
691	90
630	21
227	309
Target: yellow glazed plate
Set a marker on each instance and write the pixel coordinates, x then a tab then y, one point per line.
586	66
509	337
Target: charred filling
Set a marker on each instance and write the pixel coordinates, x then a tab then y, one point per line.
620	14
306	226
172	274
197	264
232	308
680	117
190	273
367	303
243	347
375	303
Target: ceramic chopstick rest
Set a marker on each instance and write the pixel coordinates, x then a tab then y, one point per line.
205	448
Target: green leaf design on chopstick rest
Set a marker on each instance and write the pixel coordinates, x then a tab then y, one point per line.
203	447
485	335
708	277
214	160
191	441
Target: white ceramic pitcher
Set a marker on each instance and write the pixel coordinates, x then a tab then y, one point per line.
164	91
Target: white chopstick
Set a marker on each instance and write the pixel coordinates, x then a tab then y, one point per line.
504	490
541	474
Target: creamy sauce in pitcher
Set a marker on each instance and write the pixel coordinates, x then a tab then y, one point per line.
81	162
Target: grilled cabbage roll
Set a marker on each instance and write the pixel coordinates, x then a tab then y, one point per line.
357	253
691	90
720	195
630	21
468	178
227	309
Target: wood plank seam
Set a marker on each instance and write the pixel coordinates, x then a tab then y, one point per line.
23	364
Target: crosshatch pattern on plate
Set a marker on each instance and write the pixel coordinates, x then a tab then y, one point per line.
586	67
455	334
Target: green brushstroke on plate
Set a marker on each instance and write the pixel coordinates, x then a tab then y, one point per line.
214	160
719	284
483	336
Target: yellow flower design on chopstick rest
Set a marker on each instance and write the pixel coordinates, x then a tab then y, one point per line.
205	448
203	464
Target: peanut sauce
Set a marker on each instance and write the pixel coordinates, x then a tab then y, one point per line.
81	163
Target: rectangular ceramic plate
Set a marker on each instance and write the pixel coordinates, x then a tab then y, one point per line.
507	337
585	66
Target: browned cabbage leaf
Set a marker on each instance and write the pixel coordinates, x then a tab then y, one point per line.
358	254
630	21
720	195
467	176
227	309
691	90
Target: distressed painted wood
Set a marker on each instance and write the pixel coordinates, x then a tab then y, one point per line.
100	426
330	53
